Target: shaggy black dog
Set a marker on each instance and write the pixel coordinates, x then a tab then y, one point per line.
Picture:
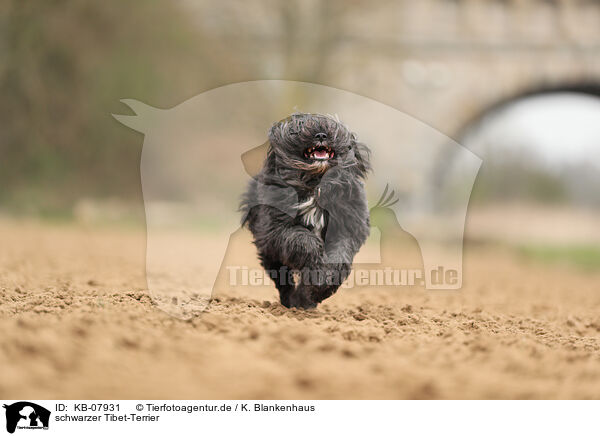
307	207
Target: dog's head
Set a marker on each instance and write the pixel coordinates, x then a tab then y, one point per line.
315	143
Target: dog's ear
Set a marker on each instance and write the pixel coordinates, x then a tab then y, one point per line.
363	158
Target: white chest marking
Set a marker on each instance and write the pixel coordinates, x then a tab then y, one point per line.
312	215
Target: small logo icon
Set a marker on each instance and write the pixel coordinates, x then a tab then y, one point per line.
26	415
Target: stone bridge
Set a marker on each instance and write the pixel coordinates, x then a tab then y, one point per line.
445	62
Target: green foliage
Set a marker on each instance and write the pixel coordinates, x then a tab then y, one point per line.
65	64
584	256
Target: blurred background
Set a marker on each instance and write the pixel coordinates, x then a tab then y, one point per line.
515	81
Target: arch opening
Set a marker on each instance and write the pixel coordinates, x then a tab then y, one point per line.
539	185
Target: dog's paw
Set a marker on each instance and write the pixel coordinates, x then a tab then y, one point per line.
323	292
301	299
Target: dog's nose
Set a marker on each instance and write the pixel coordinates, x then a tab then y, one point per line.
320	137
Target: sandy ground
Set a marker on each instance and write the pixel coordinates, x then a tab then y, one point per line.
76	322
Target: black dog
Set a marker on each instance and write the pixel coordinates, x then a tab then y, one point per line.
307	208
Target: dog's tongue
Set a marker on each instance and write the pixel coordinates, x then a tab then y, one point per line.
321	154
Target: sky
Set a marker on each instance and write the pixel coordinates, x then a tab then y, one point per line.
559	128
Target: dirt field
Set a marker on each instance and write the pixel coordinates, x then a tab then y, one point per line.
76	322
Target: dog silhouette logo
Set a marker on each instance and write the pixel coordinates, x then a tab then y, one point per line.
191	178
26	415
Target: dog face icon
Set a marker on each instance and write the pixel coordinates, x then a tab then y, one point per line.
28	417
26	414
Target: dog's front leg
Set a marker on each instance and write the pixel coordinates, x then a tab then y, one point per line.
334	268
300	247
281	243
303	252
279	239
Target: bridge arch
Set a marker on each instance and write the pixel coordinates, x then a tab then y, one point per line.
447	160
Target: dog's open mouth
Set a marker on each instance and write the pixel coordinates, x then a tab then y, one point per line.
319	152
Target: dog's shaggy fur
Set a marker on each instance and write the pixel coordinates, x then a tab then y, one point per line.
307	207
